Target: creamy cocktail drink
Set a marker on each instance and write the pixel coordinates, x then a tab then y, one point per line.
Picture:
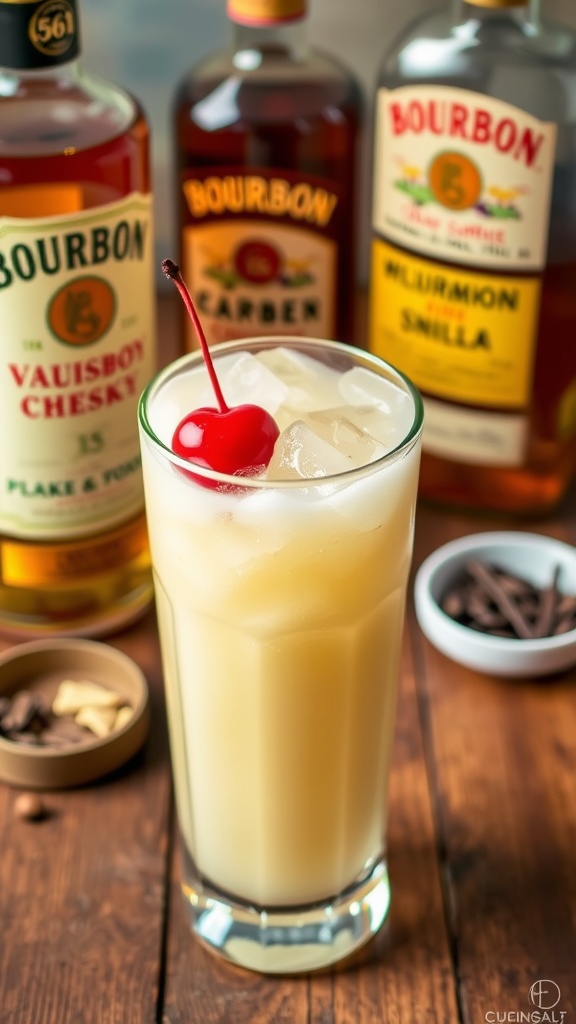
280	600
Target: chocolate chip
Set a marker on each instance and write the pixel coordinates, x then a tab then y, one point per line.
27	719
29	806
24	707
61	731
31	738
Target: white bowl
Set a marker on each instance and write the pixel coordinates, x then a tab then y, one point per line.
529	555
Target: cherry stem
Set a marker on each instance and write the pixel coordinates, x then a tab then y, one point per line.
172	271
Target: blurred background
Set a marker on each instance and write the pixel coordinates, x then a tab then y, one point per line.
147	45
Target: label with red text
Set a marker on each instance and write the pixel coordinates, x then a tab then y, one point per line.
461	205
259	252
77	314
462	177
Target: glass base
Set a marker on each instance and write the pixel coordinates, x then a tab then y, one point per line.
288	940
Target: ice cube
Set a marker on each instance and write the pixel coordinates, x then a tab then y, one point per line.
285	415
376	423
393	409
300	454
171	403
310	383
244	379
336	427
379	499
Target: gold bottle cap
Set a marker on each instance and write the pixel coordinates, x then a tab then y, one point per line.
261	13
499	3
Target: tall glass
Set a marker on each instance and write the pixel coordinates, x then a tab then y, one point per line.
280	609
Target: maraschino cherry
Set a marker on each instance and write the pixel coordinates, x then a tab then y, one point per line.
237	441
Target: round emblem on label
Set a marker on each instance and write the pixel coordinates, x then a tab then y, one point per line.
455	181
81	312
52	28
257	262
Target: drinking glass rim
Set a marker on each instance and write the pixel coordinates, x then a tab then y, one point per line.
360	357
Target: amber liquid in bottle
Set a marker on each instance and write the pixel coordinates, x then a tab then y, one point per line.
504	51
87	585
550	458
284	113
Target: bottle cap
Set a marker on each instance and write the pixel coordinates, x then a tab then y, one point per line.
499	3
260	13
36	34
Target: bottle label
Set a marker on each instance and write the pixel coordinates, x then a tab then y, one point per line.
265	12
260	253
77	314
461	178
457	334
474	436
38	34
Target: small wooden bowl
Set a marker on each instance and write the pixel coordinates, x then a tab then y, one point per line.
40	666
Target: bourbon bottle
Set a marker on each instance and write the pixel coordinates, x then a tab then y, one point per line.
77	314
473	283
266	139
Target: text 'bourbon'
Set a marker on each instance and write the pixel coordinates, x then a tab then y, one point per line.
77	314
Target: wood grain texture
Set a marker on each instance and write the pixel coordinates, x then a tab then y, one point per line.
502	758
82	893
402	977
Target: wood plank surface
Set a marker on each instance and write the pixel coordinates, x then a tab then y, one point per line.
404	976
502	759
82	893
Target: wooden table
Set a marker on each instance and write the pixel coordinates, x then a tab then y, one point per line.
482	855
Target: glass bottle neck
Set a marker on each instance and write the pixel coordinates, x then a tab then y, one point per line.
12	81
287	39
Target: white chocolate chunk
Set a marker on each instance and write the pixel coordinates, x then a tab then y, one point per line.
98	720
123	716
72	696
